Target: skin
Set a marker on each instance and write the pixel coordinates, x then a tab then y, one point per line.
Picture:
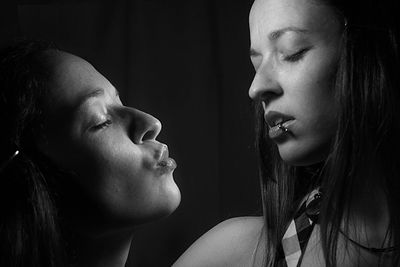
295	71
113	152
294	75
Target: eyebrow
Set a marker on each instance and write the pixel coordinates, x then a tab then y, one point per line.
275	35
97	92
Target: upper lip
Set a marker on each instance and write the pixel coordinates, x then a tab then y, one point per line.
274	118
162	153
158	150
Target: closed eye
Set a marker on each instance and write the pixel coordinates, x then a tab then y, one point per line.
296	56
101	126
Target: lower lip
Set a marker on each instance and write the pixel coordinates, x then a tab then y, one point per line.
166	165
278	133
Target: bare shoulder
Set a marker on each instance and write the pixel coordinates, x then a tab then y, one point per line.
230	243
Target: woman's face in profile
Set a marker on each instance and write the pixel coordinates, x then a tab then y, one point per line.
295	50
125	172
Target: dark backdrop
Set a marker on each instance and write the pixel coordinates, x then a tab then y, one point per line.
185	62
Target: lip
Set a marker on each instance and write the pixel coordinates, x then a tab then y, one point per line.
273	118
164	162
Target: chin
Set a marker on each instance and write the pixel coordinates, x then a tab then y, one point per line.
168	201
302	155
173	199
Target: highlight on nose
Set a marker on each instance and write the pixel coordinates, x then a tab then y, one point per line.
153	129
264	86
146	127
256	87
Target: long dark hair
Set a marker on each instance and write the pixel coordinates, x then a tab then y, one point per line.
29	230
367	89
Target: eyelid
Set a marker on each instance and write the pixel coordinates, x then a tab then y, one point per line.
296	56
96	120
101	125
95	115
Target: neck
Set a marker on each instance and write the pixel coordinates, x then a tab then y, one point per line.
111	250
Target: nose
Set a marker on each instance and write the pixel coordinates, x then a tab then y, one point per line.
143	126
265	83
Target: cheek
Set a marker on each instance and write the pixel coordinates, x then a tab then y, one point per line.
115	182
111	169
313	94
105	167
120	178
312	103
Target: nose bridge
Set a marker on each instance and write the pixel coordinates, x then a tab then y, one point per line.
265	80
143	126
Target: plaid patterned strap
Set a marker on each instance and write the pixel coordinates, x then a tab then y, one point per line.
296	237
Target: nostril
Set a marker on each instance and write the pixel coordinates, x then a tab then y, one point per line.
267	97
152	127
265	83
142	126
149	135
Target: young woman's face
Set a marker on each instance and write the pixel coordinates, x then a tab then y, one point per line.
123	172
294	50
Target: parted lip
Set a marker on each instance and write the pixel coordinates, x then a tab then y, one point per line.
273	118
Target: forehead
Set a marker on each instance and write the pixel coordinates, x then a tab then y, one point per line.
72	79
270	15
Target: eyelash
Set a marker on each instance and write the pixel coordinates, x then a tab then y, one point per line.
103	125
296	56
